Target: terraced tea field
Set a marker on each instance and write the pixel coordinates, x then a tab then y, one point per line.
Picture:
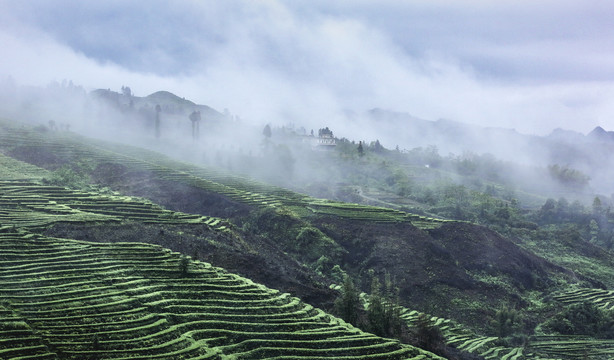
372	214
27	203
572	347
456	335
237	188
602	298
68	299
542	347
539	347
254	193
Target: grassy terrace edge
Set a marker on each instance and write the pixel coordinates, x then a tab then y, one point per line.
145	301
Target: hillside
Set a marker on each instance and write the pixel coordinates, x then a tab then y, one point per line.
66	299
59	185
587	153
356	237
71	299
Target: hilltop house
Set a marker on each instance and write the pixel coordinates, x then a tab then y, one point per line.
325	140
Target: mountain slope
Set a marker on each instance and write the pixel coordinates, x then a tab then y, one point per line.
271	220
286	240
71	299
587	153
130	300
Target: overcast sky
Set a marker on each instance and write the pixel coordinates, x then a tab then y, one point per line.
529	65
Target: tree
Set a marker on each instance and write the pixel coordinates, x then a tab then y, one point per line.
74	176
429	336
547	213
347	305
594	231
384	311
377	147
184	263
583	318
569	177
157	121
376	312
361	151
576	209
400	181
562	210
126	91
506	322
195	119
597	206
503	212
431	156
326	132
267	131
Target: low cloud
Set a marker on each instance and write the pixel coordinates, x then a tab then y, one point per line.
308	63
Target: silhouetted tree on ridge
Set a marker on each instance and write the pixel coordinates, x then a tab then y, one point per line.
157	121
195	119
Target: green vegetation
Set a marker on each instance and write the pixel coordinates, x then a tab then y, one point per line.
135	304
35	206
74	176
347	305
130	300
505	273
584	318
568	177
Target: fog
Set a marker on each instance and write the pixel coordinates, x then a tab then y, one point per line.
290	156
403	73
532	67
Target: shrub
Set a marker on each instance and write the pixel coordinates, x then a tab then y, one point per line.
507	322
184	264
75	176
308	236
583	319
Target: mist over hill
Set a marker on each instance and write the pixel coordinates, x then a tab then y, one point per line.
237	143
588	153
306	179
487	228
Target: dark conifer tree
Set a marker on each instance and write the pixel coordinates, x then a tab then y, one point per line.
347	305
157	122
195	119
267	131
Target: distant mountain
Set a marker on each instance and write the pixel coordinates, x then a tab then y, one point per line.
599	134
589	153
166	97
449	136
169	102
566	135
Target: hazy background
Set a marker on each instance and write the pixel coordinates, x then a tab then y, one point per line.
532	66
